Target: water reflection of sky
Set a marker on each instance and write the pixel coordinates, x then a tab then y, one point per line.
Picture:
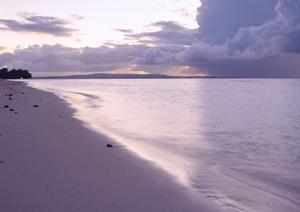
200	130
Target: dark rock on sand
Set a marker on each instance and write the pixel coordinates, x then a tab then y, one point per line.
109	145
35	106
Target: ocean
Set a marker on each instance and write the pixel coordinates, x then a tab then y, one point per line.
233	141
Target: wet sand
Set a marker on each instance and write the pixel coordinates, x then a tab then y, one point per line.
50	162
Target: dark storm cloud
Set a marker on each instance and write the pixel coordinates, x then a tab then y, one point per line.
220	20
235	42
38	24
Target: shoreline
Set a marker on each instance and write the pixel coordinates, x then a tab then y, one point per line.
51	162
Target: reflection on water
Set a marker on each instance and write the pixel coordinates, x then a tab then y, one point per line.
223	137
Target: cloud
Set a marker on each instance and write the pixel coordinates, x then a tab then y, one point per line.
126	31
220	20
158	56
167	33
252	39
58	58
234	39
77	17
185	12
240	39
278	35
39	24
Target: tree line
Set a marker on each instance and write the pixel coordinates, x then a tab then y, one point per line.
14	74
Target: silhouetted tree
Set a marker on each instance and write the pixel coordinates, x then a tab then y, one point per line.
3	73
14	74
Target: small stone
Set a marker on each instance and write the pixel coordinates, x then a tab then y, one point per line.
35	106
6	106
11	110
109	146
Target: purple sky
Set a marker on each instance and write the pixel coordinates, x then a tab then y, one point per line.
231	38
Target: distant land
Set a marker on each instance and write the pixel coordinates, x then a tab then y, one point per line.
123	76
149	76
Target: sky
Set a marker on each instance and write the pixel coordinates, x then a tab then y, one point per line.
232	38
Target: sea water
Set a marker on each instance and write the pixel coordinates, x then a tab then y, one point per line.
233	141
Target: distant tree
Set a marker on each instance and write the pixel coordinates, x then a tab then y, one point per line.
14	74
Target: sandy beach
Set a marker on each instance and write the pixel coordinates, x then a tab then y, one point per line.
50	162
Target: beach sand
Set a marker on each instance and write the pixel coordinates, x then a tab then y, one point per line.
50	162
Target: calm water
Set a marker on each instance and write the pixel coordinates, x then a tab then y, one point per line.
236	142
